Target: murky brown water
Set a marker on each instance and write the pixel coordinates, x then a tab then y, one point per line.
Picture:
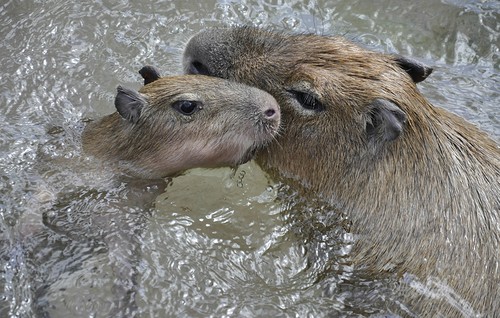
216	243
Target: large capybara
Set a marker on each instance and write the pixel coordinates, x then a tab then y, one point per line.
421	185
176	123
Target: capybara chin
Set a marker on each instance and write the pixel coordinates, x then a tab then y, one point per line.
176	123
421	185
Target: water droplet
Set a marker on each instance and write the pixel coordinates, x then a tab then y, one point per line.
290	22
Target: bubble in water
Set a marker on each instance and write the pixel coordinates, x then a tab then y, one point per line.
290	22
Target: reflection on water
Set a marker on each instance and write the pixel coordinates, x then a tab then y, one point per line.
76	243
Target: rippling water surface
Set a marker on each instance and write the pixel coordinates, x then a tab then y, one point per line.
214	243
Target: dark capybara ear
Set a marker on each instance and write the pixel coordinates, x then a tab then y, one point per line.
129	104
149	74
385	121
417	71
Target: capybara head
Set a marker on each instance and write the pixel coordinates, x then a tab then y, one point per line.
176	123
330	90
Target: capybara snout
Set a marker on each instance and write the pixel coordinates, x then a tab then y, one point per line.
176	123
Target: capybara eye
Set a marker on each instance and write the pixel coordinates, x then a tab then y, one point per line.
307	100
186	107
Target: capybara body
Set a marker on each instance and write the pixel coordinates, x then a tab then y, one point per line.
421	185
176	123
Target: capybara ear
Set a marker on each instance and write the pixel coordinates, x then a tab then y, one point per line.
149	74
385	121
129	104
417	71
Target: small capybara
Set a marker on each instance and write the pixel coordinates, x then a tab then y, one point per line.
421	185
170	125
176	123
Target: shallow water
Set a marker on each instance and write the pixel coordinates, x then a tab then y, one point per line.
216	243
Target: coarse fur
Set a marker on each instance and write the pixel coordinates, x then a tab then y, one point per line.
152	136
421	185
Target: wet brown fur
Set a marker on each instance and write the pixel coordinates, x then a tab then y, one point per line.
426	205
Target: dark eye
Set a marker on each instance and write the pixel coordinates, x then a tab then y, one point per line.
186	107
307	100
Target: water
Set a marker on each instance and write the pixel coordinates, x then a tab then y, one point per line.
215	243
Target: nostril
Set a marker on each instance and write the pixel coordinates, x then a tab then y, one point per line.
270	113
198	68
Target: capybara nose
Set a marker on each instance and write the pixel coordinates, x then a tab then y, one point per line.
269	107
196	67
271	113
